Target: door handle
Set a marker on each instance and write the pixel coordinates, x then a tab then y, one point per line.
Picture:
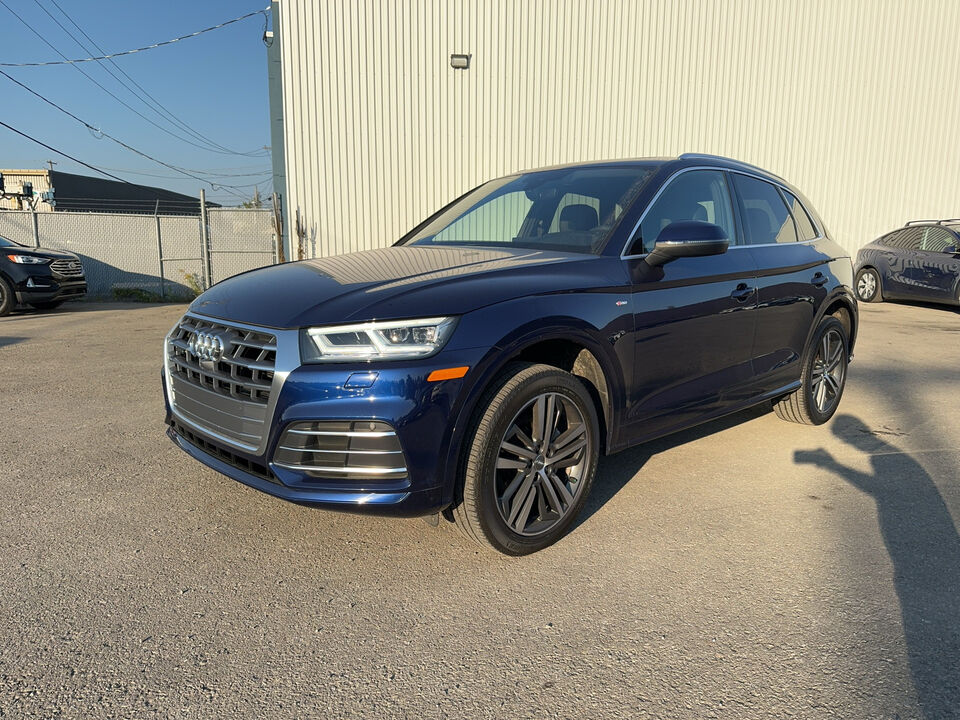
742	292
820	279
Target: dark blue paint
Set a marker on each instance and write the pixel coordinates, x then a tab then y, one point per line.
699	338
914	274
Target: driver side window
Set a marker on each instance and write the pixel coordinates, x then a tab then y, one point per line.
696	195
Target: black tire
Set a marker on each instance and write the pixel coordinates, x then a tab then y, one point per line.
47	305
805	405
552	495
8	301
867	286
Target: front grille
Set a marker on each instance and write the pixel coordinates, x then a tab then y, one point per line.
67	268
347	451
226	395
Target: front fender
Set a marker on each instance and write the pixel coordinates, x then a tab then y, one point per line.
592	320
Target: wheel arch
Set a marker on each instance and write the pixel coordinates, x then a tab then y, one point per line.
567	347
843	306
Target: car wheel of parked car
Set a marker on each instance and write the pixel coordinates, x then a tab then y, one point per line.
823	379
8	300
47	305
868	286
531	461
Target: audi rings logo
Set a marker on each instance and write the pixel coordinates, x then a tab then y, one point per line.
207	346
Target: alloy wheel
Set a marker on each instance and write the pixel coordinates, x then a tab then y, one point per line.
829	371
540	464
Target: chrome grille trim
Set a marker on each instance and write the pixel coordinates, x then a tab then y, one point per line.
67	268
231	400
346	433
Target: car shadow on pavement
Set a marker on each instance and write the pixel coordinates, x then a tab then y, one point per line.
10	340
615	471
922	540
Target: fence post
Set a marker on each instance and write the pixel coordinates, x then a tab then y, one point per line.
156	215
277	217
205	241
36	227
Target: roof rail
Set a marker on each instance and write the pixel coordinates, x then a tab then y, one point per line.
708	156
932	222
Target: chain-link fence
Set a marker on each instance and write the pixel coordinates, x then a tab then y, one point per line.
151	256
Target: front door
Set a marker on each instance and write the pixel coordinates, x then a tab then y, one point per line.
695	320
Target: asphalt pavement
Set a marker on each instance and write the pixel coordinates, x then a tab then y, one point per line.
749	568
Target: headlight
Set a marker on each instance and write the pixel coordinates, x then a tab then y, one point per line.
28	259
391	340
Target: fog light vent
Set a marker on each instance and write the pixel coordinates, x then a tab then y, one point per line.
347	451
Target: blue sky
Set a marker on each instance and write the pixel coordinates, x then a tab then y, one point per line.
215	83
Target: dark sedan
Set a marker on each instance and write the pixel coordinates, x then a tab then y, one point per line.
920	261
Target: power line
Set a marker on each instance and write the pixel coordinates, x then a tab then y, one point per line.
261	173
108	92
65	61
60	152
154	104
98	131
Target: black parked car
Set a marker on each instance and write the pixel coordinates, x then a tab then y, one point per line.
481	365
38	277
920	261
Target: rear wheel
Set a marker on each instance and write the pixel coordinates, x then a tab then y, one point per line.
530	462
8	301
822	380
868	285
47	305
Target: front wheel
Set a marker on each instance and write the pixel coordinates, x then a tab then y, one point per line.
8	300
530	462
868	285
823	377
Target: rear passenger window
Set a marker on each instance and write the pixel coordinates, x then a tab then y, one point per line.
766	219
804	223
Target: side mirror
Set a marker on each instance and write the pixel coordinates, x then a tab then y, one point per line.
687	238
951	250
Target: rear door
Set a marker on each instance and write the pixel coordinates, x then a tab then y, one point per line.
940	269
793	276
694	323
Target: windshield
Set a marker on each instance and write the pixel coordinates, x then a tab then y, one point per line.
4	242
572	209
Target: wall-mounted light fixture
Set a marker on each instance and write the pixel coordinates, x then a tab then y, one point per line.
459	61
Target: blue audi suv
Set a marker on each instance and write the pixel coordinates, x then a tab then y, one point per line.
920	261
478	368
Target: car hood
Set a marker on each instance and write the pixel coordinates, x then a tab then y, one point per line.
39	252
395	282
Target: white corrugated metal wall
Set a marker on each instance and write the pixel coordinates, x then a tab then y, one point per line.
855	101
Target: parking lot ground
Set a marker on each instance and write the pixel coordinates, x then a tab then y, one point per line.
746	569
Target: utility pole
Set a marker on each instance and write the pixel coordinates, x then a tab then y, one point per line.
50	164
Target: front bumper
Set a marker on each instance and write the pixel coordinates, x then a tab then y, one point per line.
43	289
423	415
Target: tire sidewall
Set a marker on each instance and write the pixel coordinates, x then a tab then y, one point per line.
484	451
827	324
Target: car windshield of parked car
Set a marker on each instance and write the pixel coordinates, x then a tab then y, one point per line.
572	209
4	242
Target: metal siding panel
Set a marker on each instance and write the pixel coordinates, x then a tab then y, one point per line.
380	130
